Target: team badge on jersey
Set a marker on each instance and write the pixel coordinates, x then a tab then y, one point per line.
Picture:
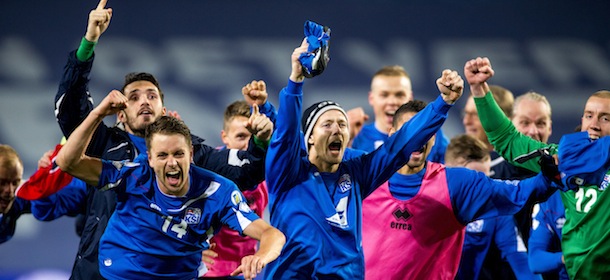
475	226
345	183
192	215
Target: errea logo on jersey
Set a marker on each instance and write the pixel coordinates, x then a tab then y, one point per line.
345	183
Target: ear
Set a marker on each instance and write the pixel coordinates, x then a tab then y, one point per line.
121	117
392	131
310	139
371	98
224	137
164	111
149	159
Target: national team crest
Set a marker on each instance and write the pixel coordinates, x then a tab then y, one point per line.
345	183
192	215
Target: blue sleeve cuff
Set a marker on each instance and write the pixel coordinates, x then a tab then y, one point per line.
441	106
294	88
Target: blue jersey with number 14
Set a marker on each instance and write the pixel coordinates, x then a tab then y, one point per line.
157	236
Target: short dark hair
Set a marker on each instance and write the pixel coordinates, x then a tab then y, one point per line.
167	125
413	106
141	76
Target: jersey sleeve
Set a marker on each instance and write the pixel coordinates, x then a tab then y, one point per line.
540	259
379	165
503	135
73	102
283	162
244	168
234	210
476	196
69	201
512	248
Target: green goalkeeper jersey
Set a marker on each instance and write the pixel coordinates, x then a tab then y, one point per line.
586	232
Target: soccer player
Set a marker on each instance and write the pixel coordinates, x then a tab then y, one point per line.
414	225
167	207
314	197
390	88
125	141
230	246
586	232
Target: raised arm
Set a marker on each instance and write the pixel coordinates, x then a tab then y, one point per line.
73	101
71	158
396	151
501	132
286	147
98	22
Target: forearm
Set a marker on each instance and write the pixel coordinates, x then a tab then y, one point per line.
72	159
271	243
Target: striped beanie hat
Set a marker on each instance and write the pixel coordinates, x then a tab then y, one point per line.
313	113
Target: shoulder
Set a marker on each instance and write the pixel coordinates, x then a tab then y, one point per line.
209	182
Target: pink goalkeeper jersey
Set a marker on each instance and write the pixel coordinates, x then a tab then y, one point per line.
231	246
419	238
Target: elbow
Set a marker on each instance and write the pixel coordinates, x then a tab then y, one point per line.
66	164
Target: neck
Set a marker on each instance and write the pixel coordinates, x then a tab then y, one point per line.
137	132
381	127
323	166
410	170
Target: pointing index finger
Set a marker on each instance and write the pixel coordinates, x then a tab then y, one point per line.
101	5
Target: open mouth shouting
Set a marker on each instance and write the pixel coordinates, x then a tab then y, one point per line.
335	147
173	178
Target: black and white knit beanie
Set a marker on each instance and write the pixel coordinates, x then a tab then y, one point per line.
313	113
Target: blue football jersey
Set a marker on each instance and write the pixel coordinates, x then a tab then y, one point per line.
8	221
154	235
321	213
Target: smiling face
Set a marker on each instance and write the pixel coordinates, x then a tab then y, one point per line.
386	95
328	140
533	118
170	156
11	171
144	107
596	116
